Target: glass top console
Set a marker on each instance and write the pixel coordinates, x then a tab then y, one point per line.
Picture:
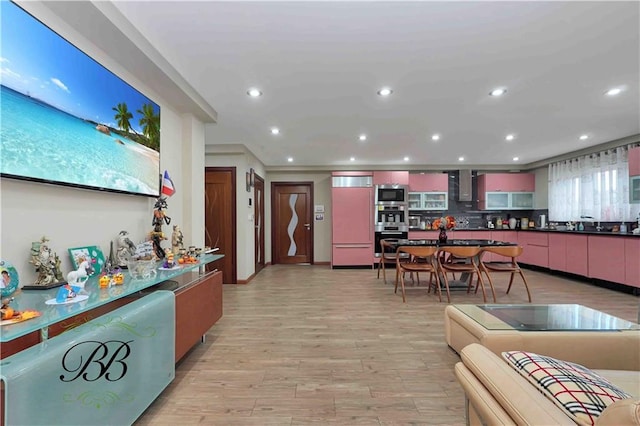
534	317
51	314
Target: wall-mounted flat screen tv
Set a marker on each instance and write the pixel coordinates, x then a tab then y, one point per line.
66	119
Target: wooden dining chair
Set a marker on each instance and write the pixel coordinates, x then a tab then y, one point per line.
389	254
511	266
416	259
462	259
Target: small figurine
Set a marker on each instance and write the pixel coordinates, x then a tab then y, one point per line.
78	277
46	262
159	217
176	240
67	292
126	249
169	260
6	311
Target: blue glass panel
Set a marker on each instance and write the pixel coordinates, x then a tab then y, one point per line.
106	371
35	299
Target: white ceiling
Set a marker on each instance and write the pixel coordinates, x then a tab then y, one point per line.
319	65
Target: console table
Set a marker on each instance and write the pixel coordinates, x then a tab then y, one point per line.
564	331
189	298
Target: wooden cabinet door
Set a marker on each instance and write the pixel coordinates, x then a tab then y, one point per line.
391	177
632	260
577	258
429	182
634	161
352	215
606	258
557	252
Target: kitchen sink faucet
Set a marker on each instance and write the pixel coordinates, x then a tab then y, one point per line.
598	227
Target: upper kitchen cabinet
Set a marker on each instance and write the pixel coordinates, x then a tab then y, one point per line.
429	182
391	178
634	161
634	175
506	191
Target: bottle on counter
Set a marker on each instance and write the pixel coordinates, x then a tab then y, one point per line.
623	228
580	226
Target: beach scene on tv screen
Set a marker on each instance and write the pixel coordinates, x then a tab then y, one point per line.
67	119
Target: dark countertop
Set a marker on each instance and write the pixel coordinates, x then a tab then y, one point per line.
590	232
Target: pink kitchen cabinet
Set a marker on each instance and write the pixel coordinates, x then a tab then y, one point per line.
391	177
428	182
557	252
352	218
506	182
423	235
606	258
632	261
634	161
577	255
535	248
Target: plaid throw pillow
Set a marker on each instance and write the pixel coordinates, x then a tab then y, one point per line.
579	391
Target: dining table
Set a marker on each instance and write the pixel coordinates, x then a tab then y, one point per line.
461	283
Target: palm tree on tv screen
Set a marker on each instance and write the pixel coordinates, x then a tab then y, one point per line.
123	117
150	123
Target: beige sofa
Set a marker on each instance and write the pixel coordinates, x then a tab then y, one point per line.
498	395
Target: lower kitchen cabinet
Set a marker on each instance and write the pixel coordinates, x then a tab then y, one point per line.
568	253
352	254
607	258
535	247
632	261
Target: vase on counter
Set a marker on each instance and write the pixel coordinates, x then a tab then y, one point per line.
442	237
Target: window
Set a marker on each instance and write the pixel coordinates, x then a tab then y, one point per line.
595	185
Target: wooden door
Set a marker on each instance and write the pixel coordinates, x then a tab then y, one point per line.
220	218
292	222
258	197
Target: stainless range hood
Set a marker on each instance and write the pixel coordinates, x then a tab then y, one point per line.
465	185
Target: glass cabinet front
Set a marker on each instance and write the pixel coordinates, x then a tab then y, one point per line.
497	200
634	188
428	201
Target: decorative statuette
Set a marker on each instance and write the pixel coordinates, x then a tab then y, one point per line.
126	249
47	264
176	240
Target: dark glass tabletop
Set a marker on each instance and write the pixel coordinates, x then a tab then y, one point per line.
451	242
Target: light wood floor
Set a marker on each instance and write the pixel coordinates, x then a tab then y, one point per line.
307	344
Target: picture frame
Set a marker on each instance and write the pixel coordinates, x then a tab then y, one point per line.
92	253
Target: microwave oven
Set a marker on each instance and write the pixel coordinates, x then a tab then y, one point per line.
391	194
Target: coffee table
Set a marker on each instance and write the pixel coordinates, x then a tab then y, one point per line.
566	331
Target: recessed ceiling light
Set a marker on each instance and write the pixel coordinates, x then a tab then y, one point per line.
435	137
290	159
385	91
614	91
460	158
254	93
406	158
510	137
352	159
516	158
362	137
584	137
275	131
498	91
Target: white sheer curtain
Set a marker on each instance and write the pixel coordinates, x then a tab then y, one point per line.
594	185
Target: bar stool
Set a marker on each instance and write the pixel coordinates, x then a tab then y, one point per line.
467	261
512	266
419	259
389	253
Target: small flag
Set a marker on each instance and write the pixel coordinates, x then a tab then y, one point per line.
167	185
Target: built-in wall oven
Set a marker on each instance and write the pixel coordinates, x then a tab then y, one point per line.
392	194
391	221
389	233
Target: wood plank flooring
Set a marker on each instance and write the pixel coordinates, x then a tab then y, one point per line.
309	345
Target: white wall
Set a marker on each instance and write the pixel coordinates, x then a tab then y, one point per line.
72	217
